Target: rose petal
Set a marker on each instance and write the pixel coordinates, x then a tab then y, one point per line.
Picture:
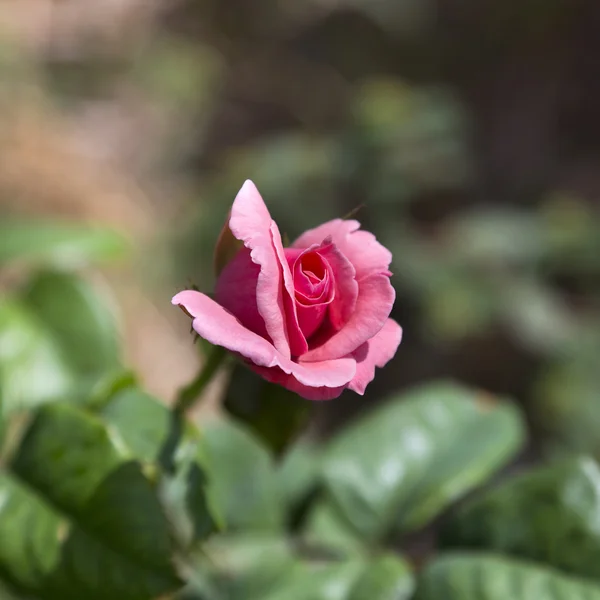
310	318
297	341
377	352
373	306
251	223
226	248
220	327
361	248
312	281
235	291
346	286
291	383
311	299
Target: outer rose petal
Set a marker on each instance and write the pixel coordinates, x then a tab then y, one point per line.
219	327
361	248
291	383
377	352
297	341
373	306
236	291
251	223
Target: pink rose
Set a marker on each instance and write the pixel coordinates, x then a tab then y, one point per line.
312	317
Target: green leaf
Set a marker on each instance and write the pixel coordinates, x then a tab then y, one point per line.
247	566
260	567
78	318
329	581
326	528
299	473
145	425
142	422
403	464
29	535
109	385
50	457
55	243
549	515
385	578
274	414
32	370
79	517
480	577
243	479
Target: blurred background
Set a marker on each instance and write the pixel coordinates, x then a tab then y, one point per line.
467	131
467	135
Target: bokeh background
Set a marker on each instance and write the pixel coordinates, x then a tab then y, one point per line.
465	132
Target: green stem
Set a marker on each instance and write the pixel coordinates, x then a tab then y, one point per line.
185	400
189	394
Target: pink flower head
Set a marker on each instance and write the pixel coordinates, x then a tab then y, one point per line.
313	317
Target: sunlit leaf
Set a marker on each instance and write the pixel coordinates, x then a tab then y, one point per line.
382	578
247	566
32	369
385	578
397	468
328	581
79	318
488	577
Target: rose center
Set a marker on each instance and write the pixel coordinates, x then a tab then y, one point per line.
312	279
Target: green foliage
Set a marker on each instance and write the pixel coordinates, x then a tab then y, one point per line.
84	501
85	509
58	336
298	473
106	493
547	515
79	495
246	487
59	339
78	318
403	464
481	577
384	578
31	367
247	565
566	404
325	526
256	567
275	414
50	243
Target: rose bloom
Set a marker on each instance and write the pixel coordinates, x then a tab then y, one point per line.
313	317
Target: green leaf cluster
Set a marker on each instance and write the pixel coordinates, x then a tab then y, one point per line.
249	508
